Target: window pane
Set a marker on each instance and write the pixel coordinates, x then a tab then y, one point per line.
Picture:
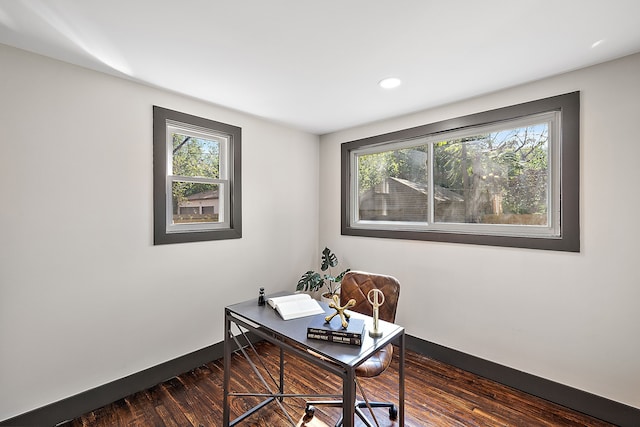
196	202
393	185
494	178
195	157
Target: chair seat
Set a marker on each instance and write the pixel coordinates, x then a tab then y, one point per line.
377	363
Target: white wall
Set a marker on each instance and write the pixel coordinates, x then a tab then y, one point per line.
85	297
571	318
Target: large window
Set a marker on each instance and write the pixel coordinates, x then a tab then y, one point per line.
506	177
196	178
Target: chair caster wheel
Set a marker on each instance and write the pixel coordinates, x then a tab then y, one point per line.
393	413
309	411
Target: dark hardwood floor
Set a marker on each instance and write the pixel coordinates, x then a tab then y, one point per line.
436	395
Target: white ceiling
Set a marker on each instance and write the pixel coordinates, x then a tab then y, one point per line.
315	65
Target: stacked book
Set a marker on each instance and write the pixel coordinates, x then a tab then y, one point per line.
333	331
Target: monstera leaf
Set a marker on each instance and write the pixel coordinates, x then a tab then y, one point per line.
310	281
329	259
339	278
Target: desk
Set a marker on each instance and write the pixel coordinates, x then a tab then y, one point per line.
291	336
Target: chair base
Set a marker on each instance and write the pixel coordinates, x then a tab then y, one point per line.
359	406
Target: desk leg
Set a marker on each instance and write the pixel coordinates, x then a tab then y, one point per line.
281	373
227	369
348	397
401	379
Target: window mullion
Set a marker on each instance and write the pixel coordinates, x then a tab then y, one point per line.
431	198
196	179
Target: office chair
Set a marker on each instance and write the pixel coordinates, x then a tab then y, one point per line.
356	285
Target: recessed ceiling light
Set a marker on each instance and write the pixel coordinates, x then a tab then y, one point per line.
598	43
390	83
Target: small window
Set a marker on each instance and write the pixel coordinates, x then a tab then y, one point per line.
506	177
196	178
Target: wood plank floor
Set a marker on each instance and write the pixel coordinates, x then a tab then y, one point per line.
436	395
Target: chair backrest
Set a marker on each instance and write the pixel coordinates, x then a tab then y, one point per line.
357	284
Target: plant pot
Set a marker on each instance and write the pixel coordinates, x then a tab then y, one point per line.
328	297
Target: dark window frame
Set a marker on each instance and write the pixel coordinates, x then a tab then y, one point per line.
160	198
569	240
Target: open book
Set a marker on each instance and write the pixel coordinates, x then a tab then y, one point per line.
296	305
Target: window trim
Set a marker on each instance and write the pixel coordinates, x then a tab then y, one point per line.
231	228
568	105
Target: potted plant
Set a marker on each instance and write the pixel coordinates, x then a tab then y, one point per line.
313	281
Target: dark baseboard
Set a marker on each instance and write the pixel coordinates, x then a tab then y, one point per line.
587	403
569	397
74	406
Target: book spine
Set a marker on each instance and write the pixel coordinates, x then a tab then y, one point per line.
343	334
335	339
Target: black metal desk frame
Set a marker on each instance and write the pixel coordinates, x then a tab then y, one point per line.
291	336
